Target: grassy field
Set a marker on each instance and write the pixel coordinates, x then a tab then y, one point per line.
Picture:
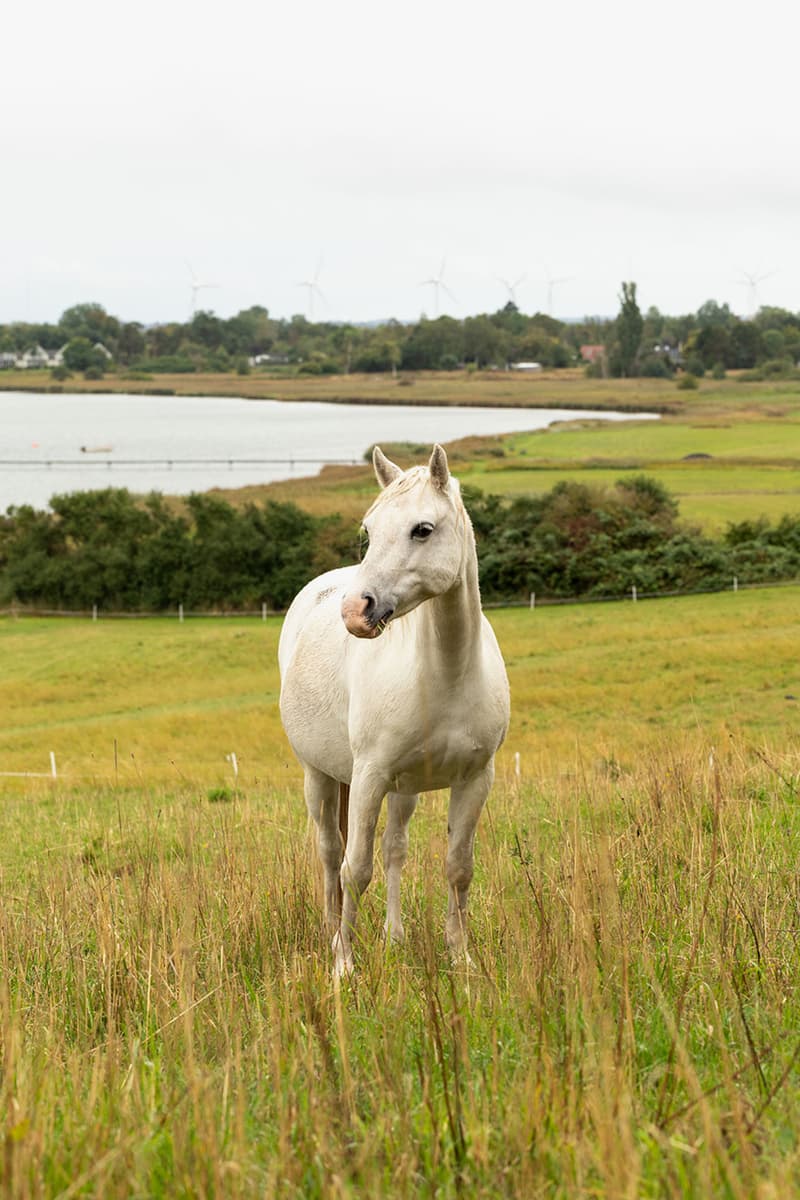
554	389
632	1025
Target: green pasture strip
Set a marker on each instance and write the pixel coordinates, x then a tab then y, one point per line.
754	468
603	679
661	441
710	495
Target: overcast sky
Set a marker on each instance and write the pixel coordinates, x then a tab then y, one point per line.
590	142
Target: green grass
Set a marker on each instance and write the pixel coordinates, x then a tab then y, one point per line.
632	1025
753	469
176	698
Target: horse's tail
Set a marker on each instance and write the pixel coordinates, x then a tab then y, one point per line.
344	809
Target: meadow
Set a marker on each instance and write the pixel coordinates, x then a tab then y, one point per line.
630	1028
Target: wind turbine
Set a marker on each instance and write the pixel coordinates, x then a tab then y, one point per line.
511	288
751	282
552	284
197	287
312	287
437	283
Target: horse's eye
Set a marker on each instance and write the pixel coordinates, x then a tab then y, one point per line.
422	531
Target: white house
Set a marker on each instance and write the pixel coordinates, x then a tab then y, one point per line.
35	357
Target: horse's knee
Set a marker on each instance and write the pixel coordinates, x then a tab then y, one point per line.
330	848
395	848
459	871
356	875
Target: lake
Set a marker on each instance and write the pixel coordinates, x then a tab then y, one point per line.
159	431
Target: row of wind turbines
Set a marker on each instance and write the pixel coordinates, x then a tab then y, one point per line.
436	283
750	280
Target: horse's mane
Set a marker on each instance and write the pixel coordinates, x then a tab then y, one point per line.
412	478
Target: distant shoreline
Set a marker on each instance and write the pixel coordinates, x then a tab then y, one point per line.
567	389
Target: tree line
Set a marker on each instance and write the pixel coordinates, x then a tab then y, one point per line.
633	343
122	553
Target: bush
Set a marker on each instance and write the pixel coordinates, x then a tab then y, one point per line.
688	382
166	364
122	553
695	366
242	366
319	366
93	372
654	367
60	373
718	371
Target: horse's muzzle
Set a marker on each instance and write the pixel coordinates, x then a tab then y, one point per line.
364	617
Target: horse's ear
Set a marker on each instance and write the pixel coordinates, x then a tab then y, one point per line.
385	469
439	470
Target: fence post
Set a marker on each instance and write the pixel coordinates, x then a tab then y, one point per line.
263	610
633	593
736	583
180	613
94	612
533	599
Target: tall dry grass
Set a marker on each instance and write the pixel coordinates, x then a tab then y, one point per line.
170	1026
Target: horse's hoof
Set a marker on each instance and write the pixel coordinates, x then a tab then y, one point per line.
394	935
343	968
460	957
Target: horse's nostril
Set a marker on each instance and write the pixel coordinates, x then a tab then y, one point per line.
370	605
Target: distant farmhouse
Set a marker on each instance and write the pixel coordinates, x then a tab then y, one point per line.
268	360
592	354
37	357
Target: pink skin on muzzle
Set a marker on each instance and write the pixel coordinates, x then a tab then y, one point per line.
354	610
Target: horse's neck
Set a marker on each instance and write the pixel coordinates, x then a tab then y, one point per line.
453	619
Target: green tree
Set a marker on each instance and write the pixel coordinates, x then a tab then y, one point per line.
715	315
79	354
627	334
90	321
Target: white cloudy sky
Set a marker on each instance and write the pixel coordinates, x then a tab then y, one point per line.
598	142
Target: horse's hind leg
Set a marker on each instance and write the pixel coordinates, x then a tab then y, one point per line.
322	800
395	851
466	803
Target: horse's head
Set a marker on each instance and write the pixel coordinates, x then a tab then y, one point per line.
416	529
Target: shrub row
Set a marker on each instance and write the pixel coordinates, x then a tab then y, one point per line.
111	549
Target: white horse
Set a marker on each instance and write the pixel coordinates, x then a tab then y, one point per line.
393	683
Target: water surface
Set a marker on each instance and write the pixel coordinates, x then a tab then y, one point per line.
158	431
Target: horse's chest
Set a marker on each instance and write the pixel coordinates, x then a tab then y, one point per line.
430	747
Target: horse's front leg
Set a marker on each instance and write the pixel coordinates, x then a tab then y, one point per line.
322	801
466	803
395	851
366	797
